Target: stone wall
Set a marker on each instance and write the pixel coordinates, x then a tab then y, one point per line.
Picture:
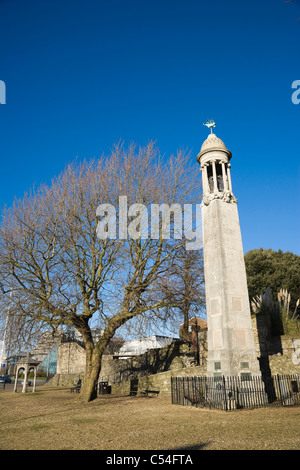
278	354
174	357
286	362
65	380
70	359
160	382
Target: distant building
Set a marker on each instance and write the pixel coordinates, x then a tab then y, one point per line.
195	324
11	362
96	334
141	345
47	342
47	350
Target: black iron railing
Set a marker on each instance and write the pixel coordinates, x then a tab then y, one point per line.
230	393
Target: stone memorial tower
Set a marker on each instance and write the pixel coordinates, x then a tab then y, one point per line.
231	349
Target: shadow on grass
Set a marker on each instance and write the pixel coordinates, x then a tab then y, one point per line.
199	446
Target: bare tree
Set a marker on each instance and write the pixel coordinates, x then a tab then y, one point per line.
190	275
62	272
185	286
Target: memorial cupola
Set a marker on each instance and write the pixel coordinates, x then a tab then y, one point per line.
214	160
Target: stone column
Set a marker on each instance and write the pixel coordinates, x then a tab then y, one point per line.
34	380
24	390
229	177
205	180
16	380
215	176
225	182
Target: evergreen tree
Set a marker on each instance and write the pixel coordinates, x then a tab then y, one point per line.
274	270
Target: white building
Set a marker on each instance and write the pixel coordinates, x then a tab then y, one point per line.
141	345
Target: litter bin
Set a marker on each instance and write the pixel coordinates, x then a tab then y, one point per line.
104	388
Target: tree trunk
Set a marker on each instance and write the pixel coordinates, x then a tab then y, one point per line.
93	367
94	355
185	331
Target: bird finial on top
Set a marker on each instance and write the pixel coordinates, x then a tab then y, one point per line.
210	123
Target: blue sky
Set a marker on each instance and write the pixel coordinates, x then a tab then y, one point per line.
81	75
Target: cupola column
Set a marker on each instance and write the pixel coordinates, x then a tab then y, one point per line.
229	177
225	182
215	176
205	180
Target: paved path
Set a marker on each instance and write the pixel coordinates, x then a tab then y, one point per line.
39	383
